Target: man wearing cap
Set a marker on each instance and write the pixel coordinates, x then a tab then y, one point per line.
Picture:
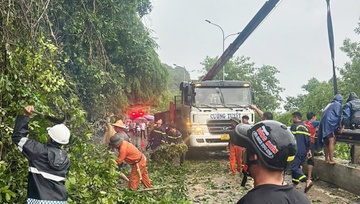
48	163
131	155
235	150
269	147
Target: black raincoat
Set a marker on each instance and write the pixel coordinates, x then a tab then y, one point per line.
48	166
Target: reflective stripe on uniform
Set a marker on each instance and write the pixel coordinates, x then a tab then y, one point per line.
173	137
299	179
21	143
46	175
300	132
306	132
158	131
36	201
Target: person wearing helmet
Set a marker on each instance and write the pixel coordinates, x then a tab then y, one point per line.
270	146
131	155
48	163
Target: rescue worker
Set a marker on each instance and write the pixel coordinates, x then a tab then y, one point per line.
131	155
302	136
48	163
245	119
311	125
157	135
351	117
174	136
261	114
329	124
269	147
235	150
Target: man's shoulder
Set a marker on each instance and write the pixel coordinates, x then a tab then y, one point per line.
273	194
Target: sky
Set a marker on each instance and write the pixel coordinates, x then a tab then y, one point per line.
293	37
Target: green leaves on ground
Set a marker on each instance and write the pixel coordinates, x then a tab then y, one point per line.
166	153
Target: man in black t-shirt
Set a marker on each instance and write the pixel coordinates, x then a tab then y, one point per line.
270	146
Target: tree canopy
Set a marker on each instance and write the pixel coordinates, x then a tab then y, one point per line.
81	60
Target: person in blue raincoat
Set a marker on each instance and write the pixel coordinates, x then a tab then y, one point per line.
329	124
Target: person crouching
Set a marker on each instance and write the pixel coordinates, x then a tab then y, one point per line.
131	155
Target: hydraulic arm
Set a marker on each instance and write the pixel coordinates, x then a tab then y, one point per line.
233	47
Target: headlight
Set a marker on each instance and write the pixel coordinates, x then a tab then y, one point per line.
197	131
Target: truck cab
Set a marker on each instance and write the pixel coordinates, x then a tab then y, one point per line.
206	107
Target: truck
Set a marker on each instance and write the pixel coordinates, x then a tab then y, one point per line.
203	111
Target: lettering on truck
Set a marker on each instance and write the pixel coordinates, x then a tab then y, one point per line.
217	116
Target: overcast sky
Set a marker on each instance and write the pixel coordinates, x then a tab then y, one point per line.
293	38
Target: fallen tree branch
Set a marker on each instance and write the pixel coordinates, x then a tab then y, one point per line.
153	189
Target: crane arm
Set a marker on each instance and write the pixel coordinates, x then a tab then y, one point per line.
233	47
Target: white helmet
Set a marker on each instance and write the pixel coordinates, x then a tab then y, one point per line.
59	133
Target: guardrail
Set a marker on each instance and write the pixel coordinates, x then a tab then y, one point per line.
349	136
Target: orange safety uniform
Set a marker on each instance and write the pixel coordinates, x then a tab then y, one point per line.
235	157
235	153
131	155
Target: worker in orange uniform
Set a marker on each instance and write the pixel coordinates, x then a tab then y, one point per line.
131	155
235	150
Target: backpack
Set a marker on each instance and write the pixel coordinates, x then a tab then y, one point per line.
355	112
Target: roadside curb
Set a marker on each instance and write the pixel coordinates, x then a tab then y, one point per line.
342	175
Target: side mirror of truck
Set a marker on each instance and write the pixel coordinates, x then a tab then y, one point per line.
252	97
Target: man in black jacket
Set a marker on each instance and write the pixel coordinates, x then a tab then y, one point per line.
48	164
270	146
157	135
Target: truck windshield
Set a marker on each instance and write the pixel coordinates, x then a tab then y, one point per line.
222	97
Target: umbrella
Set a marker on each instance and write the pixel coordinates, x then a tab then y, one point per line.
140	120
149	117
128	120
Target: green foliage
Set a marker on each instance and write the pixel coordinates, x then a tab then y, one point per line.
167	152
109	54
79	60
169	184
342	151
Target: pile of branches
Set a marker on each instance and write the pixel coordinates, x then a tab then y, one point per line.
166	153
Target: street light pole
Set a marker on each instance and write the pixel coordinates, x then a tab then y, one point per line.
223	42
231	35
222	31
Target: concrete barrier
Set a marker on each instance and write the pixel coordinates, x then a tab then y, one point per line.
342	175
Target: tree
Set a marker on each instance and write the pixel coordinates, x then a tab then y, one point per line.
64	57
294	103
350	73
109	54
